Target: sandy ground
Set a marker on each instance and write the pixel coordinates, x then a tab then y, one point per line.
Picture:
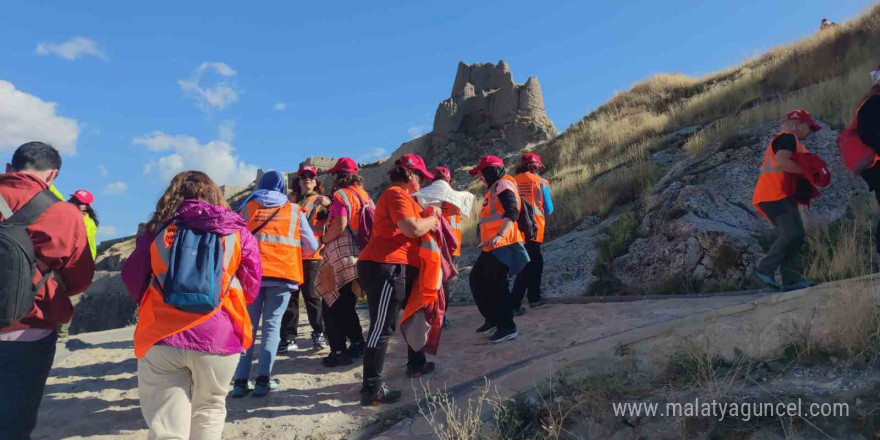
92	392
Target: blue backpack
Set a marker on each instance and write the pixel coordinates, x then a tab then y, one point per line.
194	280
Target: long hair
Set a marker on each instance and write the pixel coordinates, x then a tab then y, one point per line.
297	191
399	174
342	180
528	167
89	210
186	185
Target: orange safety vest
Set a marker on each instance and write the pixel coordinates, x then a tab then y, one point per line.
311	207
348	196
157	320
279	239
531	189
426	290
492	216
453	215
854	127
769	186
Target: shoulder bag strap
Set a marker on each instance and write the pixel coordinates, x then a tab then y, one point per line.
263	225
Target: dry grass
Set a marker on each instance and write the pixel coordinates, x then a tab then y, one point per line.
845	248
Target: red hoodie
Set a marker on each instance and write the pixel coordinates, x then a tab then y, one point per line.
59	238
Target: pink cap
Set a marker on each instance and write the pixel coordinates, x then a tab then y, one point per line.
803	116
306	169
415	163
442	172
530	158
486	162
84	196
344	165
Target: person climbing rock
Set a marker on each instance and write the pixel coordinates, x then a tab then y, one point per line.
535	190
772	202
503	254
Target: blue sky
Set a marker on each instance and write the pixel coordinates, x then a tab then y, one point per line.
144	90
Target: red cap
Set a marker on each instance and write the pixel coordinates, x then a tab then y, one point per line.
344	165
803	116
84	196
442	172
414	162
486	162
306	169
530	158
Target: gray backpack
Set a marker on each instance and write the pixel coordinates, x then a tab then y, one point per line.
17	261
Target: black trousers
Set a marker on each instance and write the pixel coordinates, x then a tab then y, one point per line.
24	368
446	287
290	320
490	286
872	178
341	320
529	279
785	253
387	287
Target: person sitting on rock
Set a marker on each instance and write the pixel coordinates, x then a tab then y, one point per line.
773	203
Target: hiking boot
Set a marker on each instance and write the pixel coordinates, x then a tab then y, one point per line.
519	311
264	385
356	349
768	282
416	372
445	324
537	304
336	360
379	395
284	346
487	328
504	334
318	341
240	388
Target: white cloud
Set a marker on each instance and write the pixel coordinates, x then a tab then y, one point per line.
115	188
217	158
226	131
73	49
280	106
217	94
106	231
372	155
416	131
25	118
102	170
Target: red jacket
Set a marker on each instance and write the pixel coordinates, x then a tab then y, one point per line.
802	187
59	237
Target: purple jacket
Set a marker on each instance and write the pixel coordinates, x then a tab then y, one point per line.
216	335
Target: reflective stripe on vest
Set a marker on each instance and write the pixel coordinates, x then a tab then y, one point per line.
279	240
491	216
769	185
311	207
353	215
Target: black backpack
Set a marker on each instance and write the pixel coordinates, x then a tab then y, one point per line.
526	221
17	261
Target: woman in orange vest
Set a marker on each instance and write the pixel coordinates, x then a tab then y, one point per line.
186	360
535	190
773	203
309	195
341	320
388	267
453	215
867	122
503	253
284	237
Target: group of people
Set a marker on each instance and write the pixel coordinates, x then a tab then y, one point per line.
209	277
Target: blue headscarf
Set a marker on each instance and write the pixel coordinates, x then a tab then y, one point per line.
271	191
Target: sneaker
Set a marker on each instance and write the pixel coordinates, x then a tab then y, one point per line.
416	372
380	395
318	341
537	304
445	323
283	346
768	280
504	335
263	385
336	360
356	349
240	388
487	328
519	311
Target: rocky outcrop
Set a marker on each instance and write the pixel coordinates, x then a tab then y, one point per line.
700	230
105	305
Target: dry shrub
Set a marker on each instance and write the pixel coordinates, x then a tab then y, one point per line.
845	248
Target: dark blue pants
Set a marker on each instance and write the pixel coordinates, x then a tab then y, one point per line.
24	368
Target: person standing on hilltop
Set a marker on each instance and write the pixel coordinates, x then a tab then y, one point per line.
866	124
340	254
191	329
773	202
503	253
535	190
389	268
64	267
284	237
309	194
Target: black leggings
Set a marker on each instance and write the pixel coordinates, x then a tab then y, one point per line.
872	178
342	320
490	286
290	320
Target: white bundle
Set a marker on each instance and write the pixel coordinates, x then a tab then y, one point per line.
440	191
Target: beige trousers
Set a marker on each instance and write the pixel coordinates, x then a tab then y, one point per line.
183	392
